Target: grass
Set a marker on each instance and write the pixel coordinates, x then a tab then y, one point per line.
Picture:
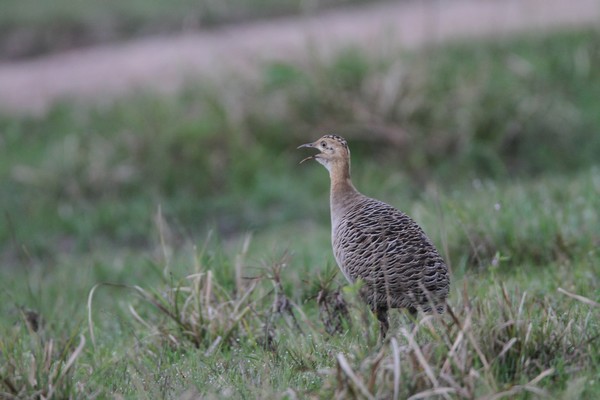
113	284
236	319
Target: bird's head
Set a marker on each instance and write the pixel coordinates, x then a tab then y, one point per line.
333	151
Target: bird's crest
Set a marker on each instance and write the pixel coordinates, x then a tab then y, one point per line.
338	139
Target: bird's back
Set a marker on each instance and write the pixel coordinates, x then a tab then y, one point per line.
392	255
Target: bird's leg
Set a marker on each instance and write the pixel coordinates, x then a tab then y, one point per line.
384	324
412	317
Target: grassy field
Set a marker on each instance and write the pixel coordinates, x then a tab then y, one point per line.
172	247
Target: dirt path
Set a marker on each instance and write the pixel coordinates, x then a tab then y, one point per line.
106	72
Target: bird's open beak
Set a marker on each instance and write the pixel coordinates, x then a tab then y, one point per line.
309	157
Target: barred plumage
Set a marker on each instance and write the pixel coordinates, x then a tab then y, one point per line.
375	242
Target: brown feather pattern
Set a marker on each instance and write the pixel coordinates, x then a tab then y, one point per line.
392	255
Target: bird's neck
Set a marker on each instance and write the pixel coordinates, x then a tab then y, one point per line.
343	192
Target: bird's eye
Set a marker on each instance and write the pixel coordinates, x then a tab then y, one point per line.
323	144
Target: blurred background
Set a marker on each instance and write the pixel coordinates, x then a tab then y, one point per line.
113	109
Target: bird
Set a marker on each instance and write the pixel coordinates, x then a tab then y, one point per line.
383	247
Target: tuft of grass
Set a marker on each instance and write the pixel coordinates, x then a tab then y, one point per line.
494	342
521	343
34	365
